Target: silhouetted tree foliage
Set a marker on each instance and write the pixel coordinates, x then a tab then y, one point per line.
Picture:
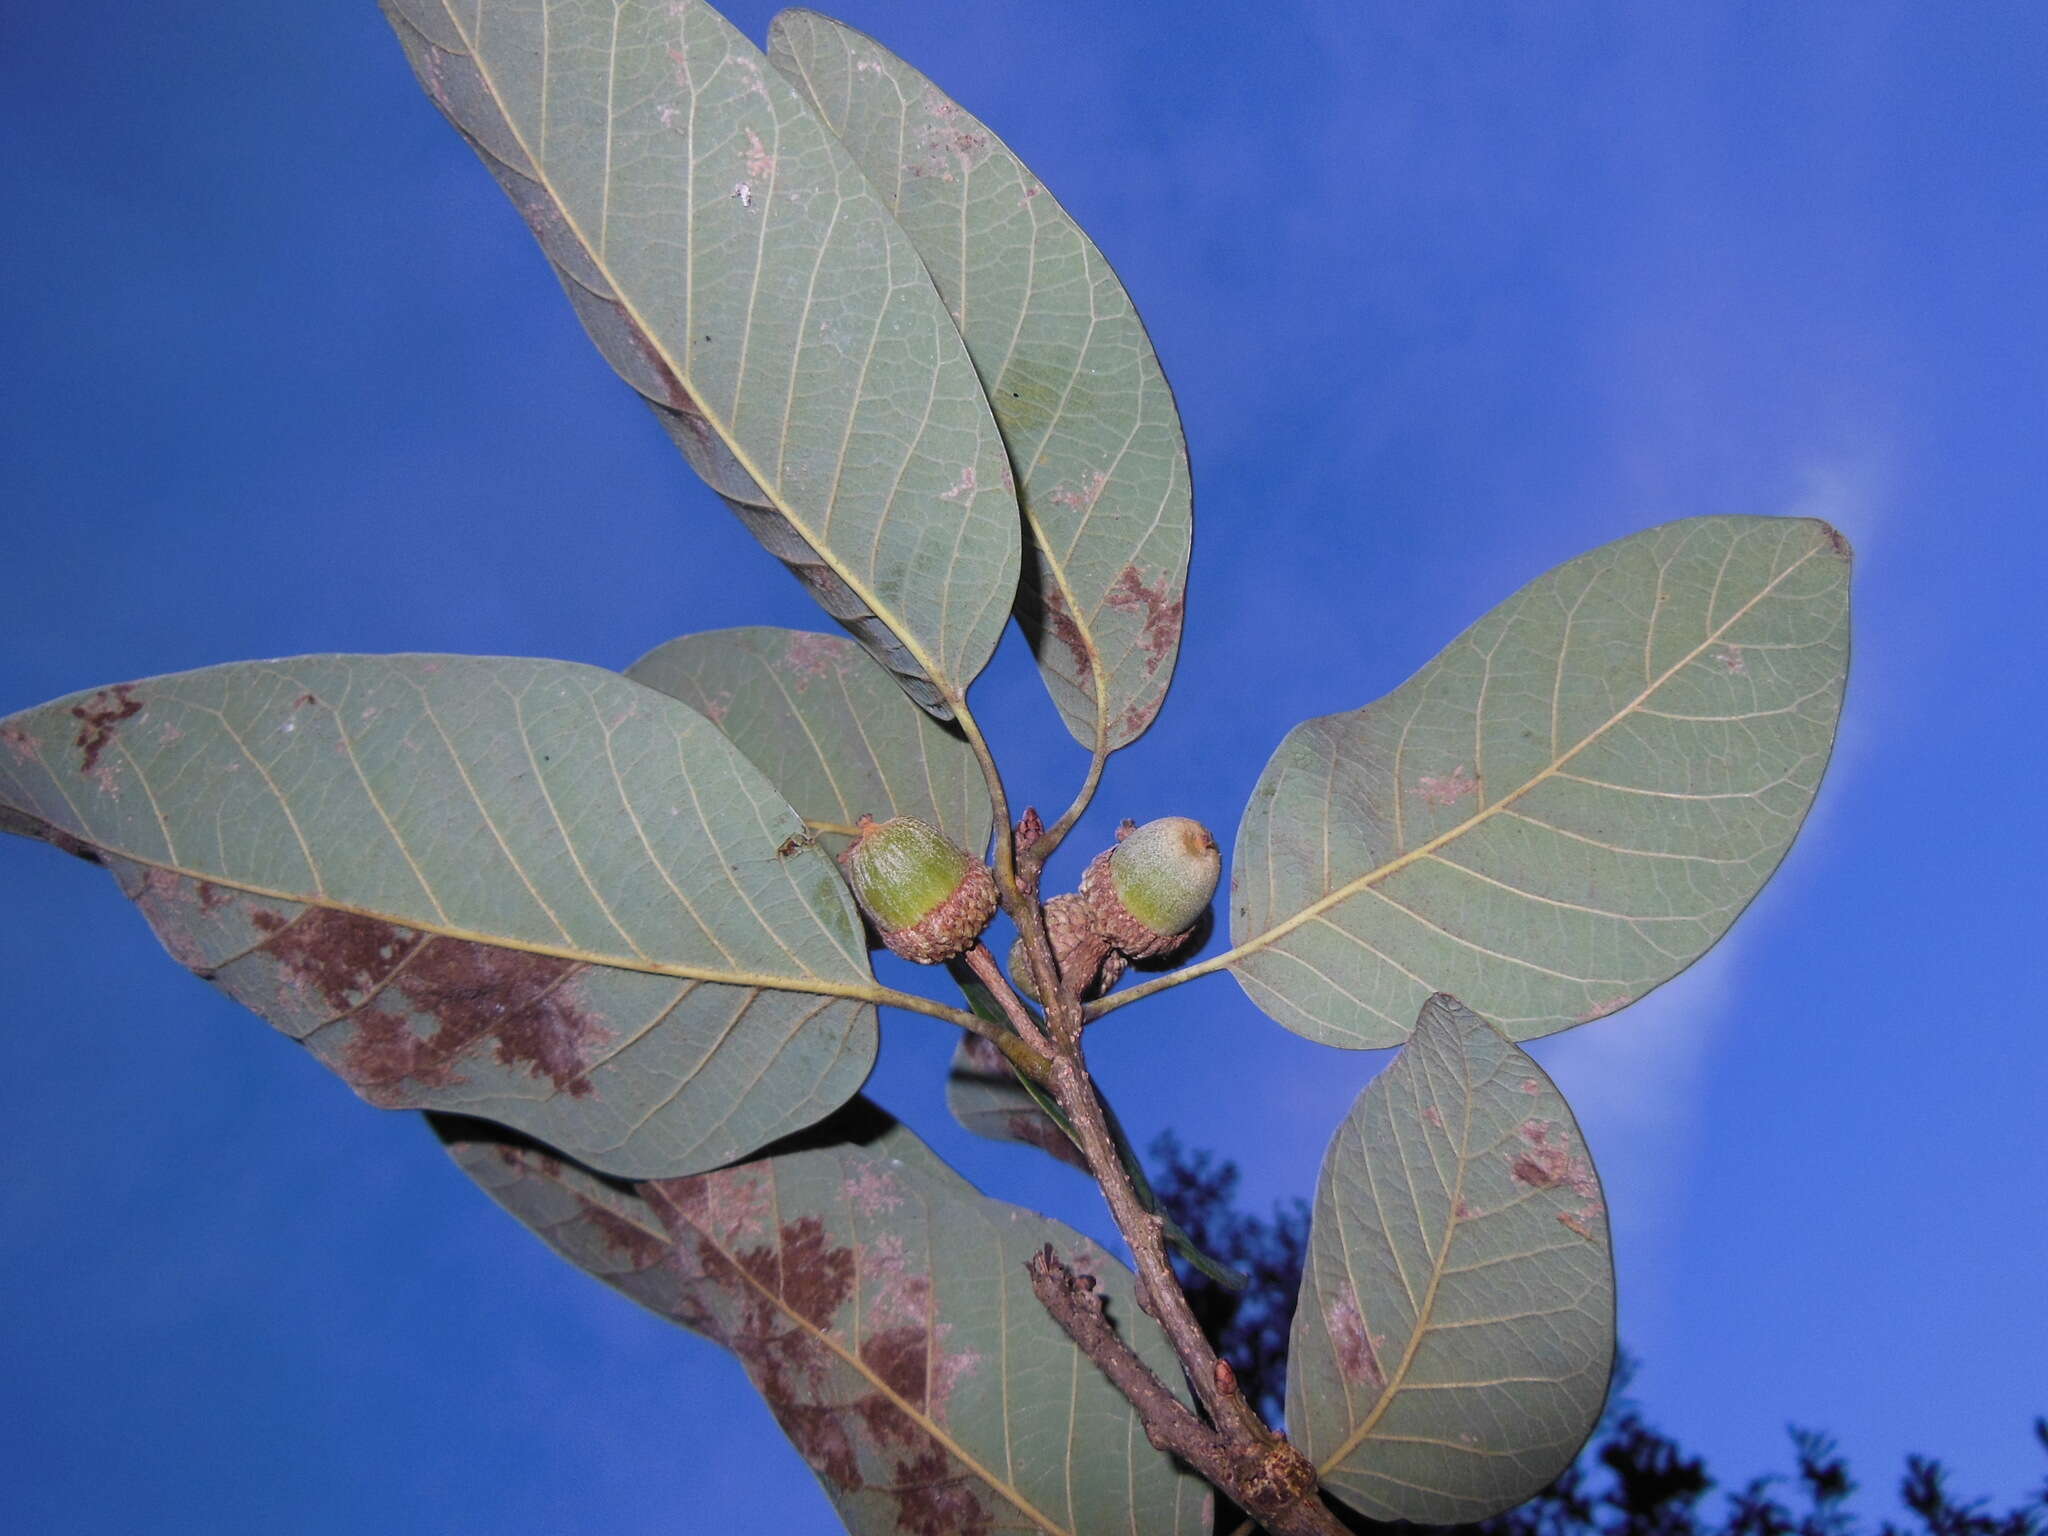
1630	1480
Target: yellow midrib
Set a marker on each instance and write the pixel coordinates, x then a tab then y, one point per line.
882	611
763	980
1478	818
938	1432
1040	535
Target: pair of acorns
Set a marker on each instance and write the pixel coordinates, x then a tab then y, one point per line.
929	899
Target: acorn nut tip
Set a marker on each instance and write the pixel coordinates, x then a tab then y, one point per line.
1149	891
925	895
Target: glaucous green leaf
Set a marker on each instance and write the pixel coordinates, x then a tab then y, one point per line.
529	890
831	730
881	1306
1564	809
732	263
1452	1344
1101	466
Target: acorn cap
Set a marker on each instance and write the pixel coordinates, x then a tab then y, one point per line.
925	895
1149	891
1070	924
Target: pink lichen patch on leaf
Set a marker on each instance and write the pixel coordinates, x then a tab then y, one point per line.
759	161
963	488
1604	1007
810	657
1729	659
1084	499
902	1292
1530	1085
1431	1115
19	744
735	1204
1357	1348
1162	614
1447	789
98	718
947	1372
871	1191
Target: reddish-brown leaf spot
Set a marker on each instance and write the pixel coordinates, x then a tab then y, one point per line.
1357	1349
887	1423
524	1002
897	1356
629	1240
817	1278
1540	1169
1061	620
340	957
818	1432
97	718
935	1499
1161	631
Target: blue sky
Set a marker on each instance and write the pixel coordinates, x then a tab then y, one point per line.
1449	294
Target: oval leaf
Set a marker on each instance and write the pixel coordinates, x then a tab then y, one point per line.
1102	468
1451	1349
734	266
881	1307
530	890
828	727
1564	809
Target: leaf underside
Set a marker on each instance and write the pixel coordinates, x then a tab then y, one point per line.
1455	1333
1089	420
829	728
881	1307
985	1097
735	268
1565	808
527	890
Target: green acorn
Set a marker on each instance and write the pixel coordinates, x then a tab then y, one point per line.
1077	946
1149	891
926	897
